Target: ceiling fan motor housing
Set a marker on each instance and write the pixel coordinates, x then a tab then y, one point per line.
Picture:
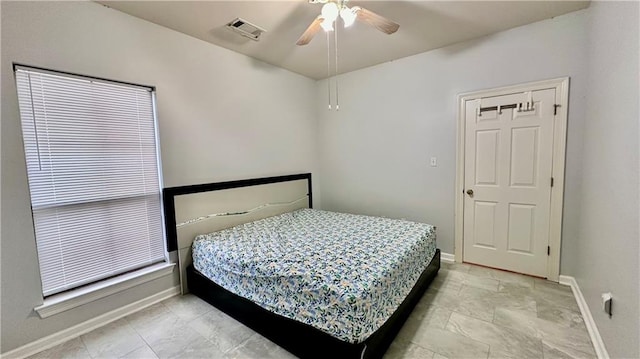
340	3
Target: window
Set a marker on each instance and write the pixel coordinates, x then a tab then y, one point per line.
93	168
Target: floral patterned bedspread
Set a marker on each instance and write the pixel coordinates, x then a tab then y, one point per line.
344	274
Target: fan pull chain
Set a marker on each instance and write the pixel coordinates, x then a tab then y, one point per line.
329	70
335	41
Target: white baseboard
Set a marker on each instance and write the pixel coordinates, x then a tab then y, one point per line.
596	339
447	257
89	325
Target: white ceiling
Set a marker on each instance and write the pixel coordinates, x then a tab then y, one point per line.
424	25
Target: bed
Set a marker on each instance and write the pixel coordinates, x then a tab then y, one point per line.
319	284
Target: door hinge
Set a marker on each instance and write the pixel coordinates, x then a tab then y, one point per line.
548	250
555	109
551	181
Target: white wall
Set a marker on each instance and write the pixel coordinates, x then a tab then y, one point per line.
221	116
374	152
609	214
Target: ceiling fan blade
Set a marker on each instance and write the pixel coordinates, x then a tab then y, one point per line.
310	32
379	22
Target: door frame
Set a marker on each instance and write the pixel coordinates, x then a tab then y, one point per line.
561	85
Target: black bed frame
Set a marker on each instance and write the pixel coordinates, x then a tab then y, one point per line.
298	338
304	340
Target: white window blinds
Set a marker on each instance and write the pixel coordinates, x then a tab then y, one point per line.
93	169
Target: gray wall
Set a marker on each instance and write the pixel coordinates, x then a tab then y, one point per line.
607	255
221	116
374	152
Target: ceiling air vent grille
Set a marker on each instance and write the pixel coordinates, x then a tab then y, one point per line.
246	29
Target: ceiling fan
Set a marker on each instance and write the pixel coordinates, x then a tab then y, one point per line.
334	8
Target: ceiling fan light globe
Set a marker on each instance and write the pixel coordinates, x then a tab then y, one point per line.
327	25
348	16
330	11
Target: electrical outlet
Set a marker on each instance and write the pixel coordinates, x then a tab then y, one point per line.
434	162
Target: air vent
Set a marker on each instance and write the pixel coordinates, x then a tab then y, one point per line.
246	29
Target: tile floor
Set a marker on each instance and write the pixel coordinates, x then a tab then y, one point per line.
467	312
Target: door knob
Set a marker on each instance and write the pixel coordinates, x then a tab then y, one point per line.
470	192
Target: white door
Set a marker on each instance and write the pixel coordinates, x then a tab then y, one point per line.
507	181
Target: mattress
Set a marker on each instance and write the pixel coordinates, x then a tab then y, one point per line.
341	273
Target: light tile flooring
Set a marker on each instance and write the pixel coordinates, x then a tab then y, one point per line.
467	312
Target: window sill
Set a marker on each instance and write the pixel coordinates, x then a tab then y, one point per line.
62	302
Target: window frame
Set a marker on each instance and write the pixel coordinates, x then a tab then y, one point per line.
86	292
